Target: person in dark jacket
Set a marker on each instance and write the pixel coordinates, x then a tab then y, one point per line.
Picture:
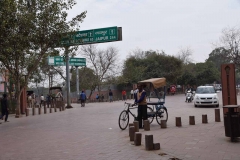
83	98
4	105
110	95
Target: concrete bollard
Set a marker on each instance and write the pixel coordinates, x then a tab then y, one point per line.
132	133
136	125
33	110
129	125
204	118
50	110
149	142
27	112
178	122
146	125
138	139
191	120
156	146
39	110
55	108
217	115
163	124
45	109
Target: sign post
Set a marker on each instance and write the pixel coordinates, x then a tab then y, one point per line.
100	35
67	78
61	61
77	81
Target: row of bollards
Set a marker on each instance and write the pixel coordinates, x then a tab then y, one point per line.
136	136
191	120
61	108
204	119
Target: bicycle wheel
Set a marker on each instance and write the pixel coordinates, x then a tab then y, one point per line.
150	114
123	120
161	114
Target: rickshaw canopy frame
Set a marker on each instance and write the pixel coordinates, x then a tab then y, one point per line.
156	82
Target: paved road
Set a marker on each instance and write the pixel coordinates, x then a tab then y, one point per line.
92	133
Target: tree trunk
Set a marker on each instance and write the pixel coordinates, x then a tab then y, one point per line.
18	94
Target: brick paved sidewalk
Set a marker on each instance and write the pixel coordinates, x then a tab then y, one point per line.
92	133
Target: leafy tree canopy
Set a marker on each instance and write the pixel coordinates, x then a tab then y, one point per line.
151	65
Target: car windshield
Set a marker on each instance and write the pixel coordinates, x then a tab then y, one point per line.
205	90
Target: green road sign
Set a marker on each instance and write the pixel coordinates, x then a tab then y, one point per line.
60	61
100	35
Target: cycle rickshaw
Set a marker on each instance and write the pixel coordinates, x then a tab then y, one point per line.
157	109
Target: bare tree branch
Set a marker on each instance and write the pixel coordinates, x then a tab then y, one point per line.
185	55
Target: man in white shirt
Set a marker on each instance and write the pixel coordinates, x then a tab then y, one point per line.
42	100
135	93
132	92
29	101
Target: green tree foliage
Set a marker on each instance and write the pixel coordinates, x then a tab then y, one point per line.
152	65
219	56
187	78
87	79
199	74
206	73
29	31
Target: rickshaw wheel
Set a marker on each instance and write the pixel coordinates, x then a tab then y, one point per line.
161	114
123	120
150	114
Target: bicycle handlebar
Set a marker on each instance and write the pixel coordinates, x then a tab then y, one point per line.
130	104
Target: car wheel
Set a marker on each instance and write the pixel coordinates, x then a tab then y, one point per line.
195	105
217	105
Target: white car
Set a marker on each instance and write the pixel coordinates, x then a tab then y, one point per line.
206	96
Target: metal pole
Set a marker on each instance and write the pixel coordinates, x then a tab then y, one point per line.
67	78
77	80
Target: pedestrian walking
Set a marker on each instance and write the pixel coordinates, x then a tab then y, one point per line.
102	97
83	98
141	101
41	100
135	93
48	99
123	95
97	97
34	101
110	95
29	101
4	105
132	92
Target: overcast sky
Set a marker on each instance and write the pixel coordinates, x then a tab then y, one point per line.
166	25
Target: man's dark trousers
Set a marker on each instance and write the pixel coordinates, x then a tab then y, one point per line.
4	113
142	114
